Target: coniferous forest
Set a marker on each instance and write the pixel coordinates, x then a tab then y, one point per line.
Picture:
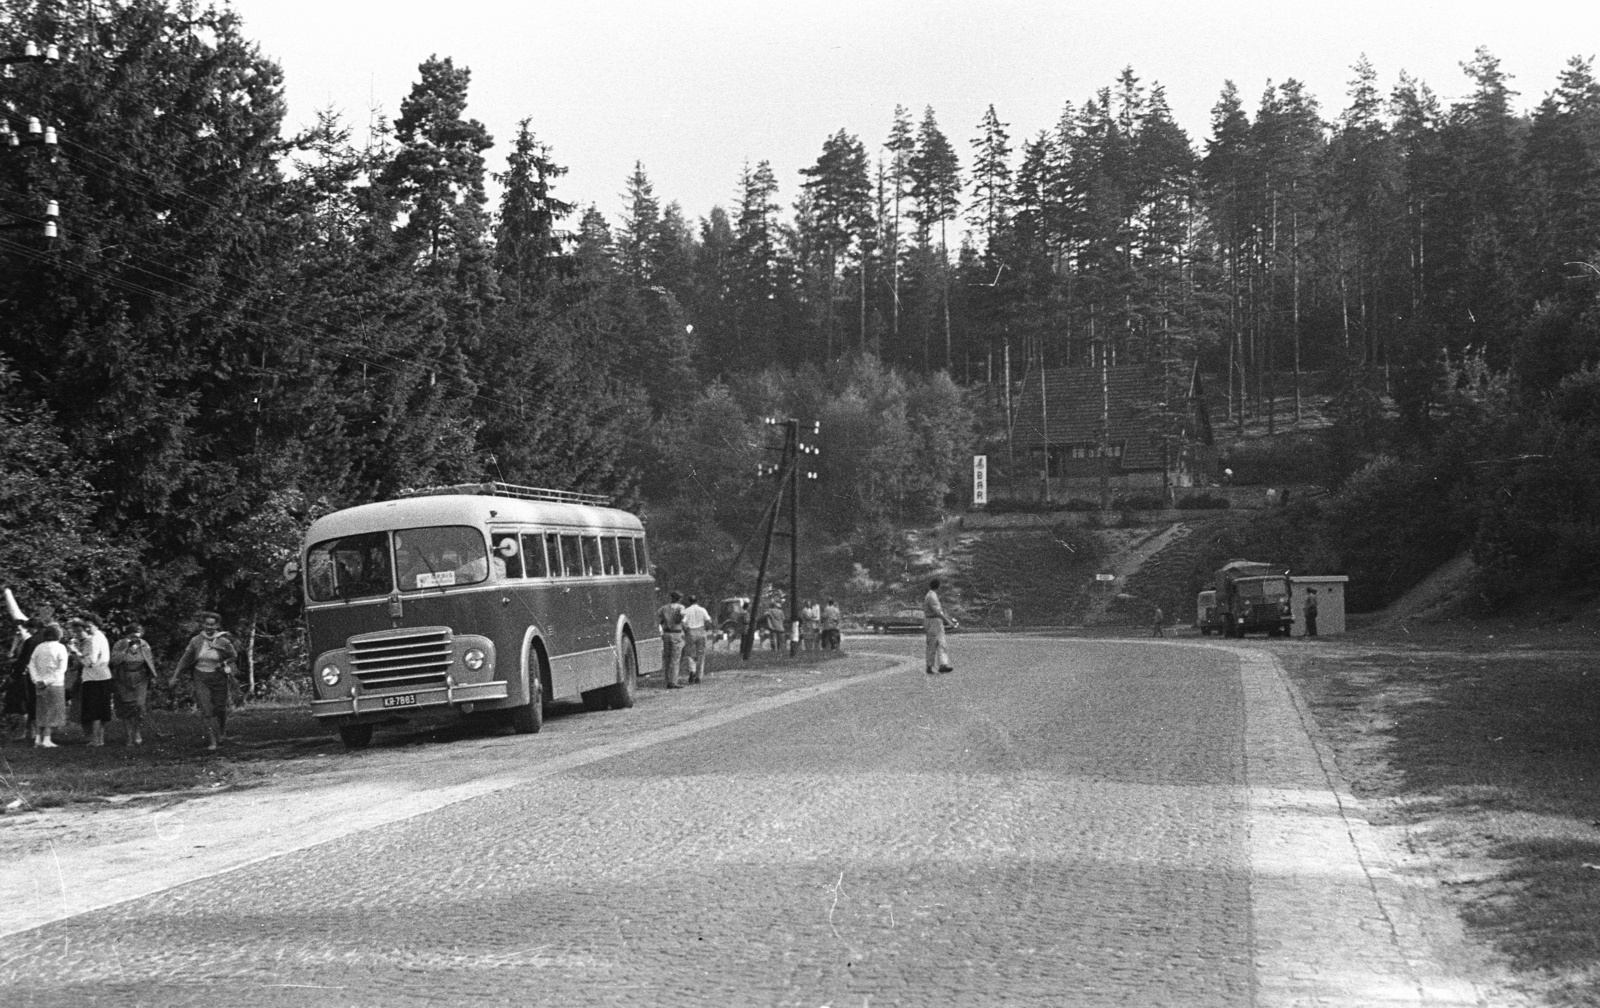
236	328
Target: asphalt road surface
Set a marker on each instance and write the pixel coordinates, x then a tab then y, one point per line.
1057	822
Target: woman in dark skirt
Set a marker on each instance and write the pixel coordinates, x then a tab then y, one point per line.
94	688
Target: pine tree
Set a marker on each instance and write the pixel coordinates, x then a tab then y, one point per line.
528	249
991	176
900	145
936	188
840	212
638	242
759	275
436	178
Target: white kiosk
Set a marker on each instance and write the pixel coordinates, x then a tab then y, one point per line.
1330	602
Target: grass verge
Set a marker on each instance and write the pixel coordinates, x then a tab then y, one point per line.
260	736
1487	749
173	758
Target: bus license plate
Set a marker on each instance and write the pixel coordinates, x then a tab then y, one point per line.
403	700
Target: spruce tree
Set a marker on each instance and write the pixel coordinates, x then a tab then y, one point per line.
528	251
991	176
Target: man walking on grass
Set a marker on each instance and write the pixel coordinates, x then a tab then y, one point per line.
933	624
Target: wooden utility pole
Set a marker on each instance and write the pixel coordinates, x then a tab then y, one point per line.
788	475
791	443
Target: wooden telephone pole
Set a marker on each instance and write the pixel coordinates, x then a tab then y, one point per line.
788	472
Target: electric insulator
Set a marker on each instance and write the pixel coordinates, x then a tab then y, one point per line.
31	49
34	129
52	209
49	229
49	136
52	52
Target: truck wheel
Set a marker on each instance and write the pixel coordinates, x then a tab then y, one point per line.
620	694
355	736
529	718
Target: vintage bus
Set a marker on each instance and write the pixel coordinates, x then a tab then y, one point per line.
482	599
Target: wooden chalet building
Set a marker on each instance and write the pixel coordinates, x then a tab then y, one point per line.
1156	431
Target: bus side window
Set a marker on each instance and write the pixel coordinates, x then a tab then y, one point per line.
608	555
533	556
644	556
552	548
571	556
591	555
625	547
507	558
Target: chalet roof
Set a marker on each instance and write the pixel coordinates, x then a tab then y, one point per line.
1070	409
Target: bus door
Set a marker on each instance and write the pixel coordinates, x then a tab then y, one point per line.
565	631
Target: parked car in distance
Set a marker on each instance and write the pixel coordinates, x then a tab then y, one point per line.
902	621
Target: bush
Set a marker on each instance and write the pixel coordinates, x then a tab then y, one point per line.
1203	502
1019	507
1140	502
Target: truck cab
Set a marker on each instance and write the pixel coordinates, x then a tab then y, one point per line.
1253	598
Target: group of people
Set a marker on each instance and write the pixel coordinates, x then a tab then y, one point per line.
819	624
685	630
73	672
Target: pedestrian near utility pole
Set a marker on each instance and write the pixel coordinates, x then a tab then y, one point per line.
788	472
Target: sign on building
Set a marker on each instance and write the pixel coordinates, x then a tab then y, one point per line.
980	479
1105	577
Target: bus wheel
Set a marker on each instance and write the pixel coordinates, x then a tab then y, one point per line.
529	718
620	694
355	736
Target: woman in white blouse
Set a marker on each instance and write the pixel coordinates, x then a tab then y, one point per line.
94	701
48	670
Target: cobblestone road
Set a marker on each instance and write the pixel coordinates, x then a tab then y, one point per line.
1057	823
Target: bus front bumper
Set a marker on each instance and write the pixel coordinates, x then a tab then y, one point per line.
395	703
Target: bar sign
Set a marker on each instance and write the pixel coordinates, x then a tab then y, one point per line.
980	479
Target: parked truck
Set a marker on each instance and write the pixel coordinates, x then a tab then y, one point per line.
1253	598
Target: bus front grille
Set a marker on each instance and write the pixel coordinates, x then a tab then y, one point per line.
402	659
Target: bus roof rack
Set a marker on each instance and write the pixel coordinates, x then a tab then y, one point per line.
511	490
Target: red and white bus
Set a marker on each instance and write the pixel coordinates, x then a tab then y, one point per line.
476	598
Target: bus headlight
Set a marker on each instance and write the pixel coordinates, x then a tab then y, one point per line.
474	659
330	675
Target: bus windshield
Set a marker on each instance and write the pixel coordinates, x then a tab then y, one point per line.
440	557
350	567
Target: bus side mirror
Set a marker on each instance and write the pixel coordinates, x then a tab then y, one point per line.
291	570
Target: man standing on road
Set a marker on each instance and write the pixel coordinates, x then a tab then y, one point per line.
933	624
1311	612
1157	618
830	626
772	624
696	626
670	616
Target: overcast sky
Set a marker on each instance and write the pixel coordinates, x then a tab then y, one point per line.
696	89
